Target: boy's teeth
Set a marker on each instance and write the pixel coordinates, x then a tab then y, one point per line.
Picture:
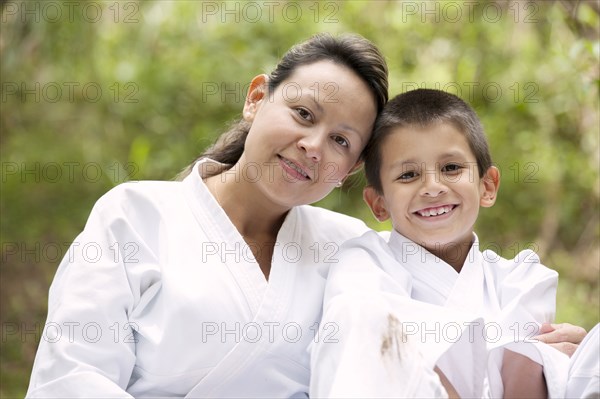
435	211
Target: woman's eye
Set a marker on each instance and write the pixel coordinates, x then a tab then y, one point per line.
341	141
304	114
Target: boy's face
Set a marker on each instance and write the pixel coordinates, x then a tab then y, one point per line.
431	186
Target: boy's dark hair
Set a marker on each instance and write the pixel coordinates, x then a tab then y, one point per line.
424	107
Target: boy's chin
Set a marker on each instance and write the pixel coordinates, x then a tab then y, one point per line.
442	245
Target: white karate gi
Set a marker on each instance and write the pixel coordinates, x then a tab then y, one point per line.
512	297
380	350
161	296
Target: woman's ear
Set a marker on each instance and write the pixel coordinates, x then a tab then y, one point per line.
376	202
256	93
355	168
352	171
490	183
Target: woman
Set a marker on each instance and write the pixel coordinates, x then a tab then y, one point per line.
213	286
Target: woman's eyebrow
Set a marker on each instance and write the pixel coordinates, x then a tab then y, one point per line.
315	102
320	108
349	128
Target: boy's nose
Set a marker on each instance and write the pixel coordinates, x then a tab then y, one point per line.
432	185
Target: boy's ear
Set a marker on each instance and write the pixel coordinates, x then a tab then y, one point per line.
490	183
376	202
256	93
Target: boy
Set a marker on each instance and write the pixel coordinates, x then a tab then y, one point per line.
429	170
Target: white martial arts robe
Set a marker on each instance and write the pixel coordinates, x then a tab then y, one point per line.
161	296
368	299
513	297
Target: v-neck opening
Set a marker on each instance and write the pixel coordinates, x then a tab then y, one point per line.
239	259
425	268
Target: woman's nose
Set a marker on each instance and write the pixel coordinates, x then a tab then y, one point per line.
312	146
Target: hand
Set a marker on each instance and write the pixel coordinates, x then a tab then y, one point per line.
565	337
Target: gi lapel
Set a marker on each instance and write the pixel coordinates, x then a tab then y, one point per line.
433	278
226	240
469	286
246	367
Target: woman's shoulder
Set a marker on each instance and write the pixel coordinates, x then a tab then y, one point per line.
139	202
316	212
331	223
140	191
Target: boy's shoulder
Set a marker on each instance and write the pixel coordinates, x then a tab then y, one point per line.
522	275
523	263
372	247
378	239
366	263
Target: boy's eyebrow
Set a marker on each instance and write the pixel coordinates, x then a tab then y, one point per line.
457	153
412	161
402	162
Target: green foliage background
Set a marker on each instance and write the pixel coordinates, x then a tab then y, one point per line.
172	73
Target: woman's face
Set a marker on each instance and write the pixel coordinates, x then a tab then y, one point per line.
307	135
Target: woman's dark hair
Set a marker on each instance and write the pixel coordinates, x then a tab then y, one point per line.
352	51
422	108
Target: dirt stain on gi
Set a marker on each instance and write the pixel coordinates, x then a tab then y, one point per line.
393	338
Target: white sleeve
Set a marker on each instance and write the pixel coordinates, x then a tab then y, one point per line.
88	344
584	370
527	293
527	297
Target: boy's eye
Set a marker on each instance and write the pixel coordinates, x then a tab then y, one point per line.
406	176
341	140
451	167
304	114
